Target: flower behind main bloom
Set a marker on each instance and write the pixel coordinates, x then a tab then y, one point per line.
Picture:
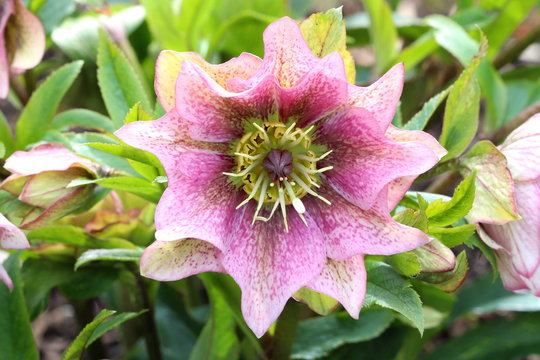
10	238
517	243
281	173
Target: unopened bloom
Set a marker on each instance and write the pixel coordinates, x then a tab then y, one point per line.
281	173
517	243
22	41
10	238
40	179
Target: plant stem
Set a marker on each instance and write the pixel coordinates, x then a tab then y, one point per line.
286	331
515	49
510	126
443	184
149	327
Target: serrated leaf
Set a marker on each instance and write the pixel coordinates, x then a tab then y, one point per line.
462	110
388	289
325	33
128	152
83	118
37	115
75	236
17	341
108	255
137	113
316	337
515	338
120	87
111	323
421	118
453	236
444	213
413	218
494	200
449	281
319	303
75	350
138	186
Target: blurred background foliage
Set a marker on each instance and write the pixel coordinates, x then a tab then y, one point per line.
199	317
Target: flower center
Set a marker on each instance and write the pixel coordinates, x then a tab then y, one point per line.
276	165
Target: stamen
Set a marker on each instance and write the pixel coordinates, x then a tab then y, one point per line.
296	202
305	170
248	169
302	136
262	196
283	208
308	189
253	192
284	139
307	158
276	204
263	131
250	157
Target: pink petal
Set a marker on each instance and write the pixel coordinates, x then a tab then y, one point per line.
165	137
382	97
216	114
350	231
10	235
29	39
522	150
200	201
364	161
46	157
398	187
286	54
520	237
510	278
344	281
169	64
175	260
6	9
269	264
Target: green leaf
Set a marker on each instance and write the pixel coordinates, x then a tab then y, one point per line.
511	15
83	118
421	48
475	242
120	86
461	111
444	213
325	33
137	113
494	200
383	33
449	281
108	255
515	338
6	137
218	340
36	116
75	350
141	187
90	281
128	152
452	37
75	236
52	12
316	337
496	94
319	303
421	118
388	289
111	323
17	341
453	236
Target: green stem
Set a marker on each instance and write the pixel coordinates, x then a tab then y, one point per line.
515	49
84	316
518	120
149	328
286	331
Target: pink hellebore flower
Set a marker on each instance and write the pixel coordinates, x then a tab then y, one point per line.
10	238
40	179
517	243
22	41
251	137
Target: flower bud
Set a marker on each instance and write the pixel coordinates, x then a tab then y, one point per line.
41	179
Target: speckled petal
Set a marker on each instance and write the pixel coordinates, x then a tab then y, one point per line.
344	281
398	187
364	159
350	231
169	65
382	97
269	264
522	150
200	201
174	260
10	235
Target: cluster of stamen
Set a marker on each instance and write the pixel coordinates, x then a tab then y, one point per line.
276	165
